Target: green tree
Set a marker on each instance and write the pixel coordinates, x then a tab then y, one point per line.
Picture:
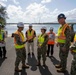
3	15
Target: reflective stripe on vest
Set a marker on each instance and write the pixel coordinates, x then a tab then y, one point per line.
40	39
30	34
51	41
21	38
61	35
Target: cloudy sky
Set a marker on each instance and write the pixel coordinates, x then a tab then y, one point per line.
39	10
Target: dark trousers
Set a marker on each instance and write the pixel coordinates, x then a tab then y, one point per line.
52	49
3	51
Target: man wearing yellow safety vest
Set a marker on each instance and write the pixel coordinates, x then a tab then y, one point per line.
19	43
30	35
73	51
63	41
2	43
42	42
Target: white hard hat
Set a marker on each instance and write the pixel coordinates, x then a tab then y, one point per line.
51	28
44	28
30	24
20	24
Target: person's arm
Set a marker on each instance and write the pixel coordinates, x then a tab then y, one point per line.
26	34
4	36
34	34
19	42
68	37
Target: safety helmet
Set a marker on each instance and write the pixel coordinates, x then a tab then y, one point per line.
30	25
61	16
20	24
44	28
51	28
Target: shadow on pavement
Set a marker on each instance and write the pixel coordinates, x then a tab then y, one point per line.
1	61
44	70
22	73
66	73
32	62
54	60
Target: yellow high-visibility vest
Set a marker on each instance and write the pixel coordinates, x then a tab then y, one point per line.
40	39
61	36
74	41
1	35
21	38
75	37
30	35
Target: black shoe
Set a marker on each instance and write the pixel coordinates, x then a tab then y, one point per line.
28	53
58	66
25	66
38	64
51	56
32	53
47	55
61	70
4	57
18	69
44	65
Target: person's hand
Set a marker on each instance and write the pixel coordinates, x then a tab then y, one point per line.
27	40
71	51
39	46
12	35
57	44
2	42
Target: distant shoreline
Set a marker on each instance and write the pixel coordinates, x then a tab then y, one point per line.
42	23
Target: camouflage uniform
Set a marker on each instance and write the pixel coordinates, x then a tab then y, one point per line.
42	51
73	64
63	55
21	53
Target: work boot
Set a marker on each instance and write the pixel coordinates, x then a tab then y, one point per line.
25	66
58	66
47	55
61	70
38	63
44	64
32	53
18	69
51	55
4	57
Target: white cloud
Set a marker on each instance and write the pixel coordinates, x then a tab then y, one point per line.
71	14
36	10
14	13
46	1
15	1
32	13
3	4
36	13
4	0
